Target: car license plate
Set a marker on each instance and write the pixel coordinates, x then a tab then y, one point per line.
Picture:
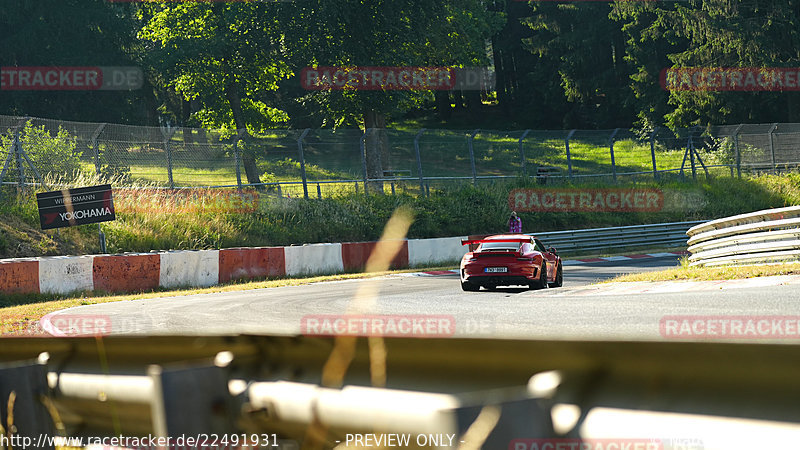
495	269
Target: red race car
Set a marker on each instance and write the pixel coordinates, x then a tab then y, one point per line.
509	259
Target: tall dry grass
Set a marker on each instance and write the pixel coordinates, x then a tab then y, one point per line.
152	218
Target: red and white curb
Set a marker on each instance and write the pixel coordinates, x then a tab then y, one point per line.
434	273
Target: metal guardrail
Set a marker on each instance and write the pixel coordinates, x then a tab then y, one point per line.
771	235
652	235
180	386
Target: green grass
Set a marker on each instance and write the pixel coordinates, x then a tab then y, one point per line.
335	155
686	273
347	217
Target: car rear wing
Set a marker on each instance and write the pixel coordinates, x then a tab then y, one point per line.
481	241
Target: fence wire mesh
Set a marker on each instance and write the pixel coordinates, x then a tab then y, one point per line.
325	162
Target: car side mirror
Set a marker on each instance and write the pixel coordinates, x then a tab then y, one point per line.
552	250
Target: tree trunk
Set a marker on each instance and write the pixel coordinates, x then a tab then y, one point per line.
375	146
459	99
201	132
186	112
248	161
474	104
443	108
500	73
383	143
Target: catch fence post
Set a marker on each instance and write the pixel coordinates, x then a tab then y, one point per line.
472	157
653	152
363	145
237	156
167	136
522	153
96	149
303	161
569	157
611	150
419	161
738	151
772	147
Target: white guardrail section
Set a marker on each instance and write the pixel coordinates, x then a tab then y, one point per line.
652	235
771	235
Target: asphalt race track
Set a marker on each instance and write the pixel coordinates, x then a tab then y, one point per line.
576	310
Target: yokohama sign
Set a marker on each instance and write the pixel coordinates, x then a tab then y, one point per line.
78	206
586	200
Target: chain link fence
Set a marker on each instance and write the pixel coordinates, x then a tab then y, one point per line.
324	162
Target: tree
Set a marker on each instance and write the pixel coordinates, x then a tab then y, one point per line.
384	33
226	54
580	52
71	33
716	33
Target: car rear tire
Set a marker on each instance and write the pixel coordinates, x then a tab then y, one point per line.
469	286
541	283
559	278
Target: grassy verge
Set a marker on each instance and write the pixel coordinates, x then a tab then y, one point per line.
334	155
453	211
686	273
17	312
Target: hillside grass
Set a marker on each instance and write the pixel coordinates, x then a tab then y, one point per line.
348	217
331	155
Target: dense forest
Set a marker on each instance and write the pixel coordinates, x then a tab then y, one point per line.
557	64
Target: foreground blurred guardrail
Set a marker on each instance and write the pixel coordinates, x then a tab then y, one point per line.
760	237
652	235
482	393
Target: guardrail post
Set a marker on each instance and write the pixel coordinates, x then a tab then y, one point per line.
472	157
569	158
419	161
201	390
611	150
653	152
22	387
363	146
303	161
96	149
772	147
522	153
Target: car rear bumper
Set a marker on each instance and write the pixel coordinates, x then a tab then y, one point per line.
516	277
496	280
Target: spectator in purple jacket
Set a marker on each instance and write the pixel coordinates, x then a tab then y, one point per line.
514	223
